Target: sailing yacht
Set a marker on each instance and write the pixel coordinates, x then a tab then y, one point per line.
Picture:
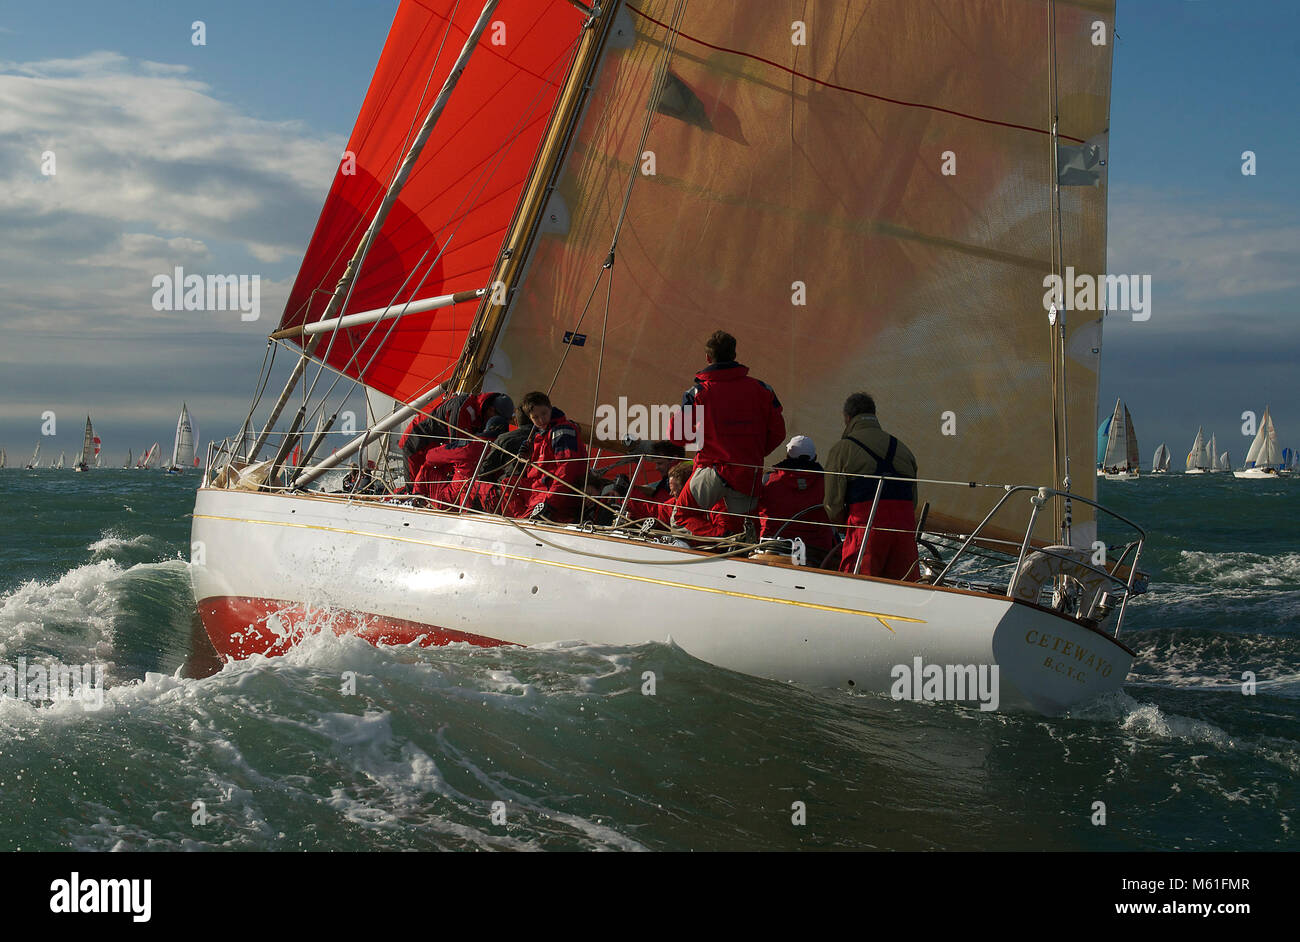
3	458
1103	441
634	154
1121	458
36	459
1264	459
1212	455
58	466
183	445
89	449
127	465
1160	462
1198	459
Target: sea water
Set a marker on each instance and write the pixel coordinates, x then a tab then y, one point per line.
340	745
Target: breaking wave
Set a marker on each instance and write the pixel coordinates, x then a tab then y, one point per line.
1237	569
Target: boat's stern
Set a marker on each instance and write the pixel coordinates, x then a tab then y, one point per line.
1055	662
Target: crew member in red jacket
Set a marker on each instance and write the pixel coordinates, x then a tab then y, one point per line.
794	491
448	469
557	448
663	456
734	420
682	511
453	418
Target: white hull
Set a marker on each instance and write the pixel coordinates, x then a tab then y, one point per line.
1195	471
1256	474
1125	476
267	567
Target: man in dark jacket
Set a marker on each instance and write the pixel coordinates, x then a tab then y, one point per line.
735	421
855	466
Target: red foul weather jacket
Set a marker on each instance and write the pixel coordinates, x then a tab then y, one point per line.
449	468
794	486
713	522
656	505
424	432
557	448
737	422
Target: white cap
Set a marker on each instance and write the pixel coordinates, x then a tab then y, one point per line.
801	446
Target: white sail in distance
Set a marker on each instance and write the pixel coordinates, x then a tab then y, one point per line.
88	445
1196	457
183	445
1161	460
1264	450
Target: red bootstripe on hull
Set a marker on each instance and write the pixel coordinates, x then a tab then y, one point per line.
240	626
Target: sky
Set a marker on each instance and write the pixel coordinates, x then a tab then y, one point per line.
218	158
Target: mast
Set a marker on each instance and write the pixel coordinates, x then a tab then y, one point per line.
1060	391
521	237
343	288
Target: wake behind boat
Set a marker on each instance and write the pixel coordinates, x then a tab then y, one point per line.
540	153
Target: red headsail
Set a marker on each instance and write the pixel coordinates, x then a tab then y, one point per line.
445	232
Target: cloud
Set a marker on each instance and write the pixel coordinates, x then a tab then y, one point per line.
1207	257
151	171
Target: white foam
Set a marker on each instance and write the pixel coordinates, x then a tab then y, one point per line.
111	542
1238	569
86	596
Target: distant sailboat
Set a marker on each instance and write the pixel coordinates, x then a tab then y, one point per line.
59	466
1198	461
1103	439
1265	455
89	448
1212	456
128	459
151	458
3	457
1121	459
36	458
183	446
1160	463
1225	464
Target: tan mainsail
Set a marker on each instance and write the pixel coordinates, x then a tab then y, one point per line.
823	164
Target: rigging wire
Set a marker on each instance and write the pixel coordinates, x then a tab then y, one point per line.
652	108
474	194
